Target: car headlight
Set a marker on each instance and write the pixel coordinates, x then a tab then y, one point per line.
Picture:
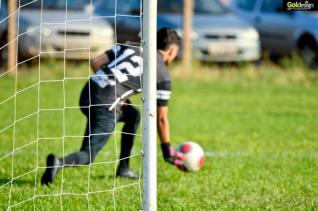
46	31
250	34
194	35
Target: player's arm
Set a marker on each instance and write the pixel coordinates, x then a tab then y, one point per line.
168	152
98	62
163	124
164	133
163	96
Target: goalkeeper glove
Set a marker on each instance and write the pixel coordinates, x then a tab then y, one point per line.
173	157
168	153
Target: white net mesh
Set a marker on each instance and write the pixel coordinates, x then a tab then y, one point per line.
39	105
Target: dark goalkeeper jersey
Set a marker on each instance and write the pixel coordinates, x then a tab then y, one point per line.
121	78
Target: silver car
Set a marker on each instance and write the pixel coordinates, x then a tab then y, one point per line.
53	30
218	35
282	32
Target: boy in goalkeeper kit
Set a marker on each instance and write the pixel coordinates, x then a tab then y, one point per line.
105	100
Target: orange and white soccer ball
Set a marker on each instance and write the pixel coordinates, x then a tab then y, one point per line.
193	155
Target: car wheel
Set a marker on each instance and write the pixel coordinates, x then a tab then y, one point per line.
309	52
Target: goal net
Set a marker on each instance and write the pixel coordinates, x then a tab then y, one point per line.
40	111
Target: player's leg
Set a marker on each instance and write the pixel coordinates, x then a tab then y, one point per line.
53	163
98	131
131	118
101	124
82	157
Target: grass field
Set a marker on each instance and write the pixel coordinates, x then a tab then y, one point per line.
257	125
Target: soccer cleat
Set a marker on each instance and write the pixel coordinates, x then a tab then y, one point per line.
127	173
52	166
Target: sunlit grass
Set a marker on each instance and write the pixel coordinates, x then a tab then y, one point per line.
257	124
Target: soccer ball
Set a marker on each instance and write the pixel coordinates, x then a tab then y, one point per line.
194	155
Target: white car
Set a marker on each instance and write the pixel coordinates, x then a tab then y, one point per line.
57	32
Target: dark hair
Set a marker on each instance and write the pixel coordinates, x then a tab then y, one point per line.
166	37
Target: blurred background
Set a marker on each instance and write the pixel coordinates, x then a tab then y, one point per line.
227	31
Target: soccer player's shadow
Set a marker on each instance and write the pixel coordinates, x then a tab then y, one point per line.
102	176
16	182
98	177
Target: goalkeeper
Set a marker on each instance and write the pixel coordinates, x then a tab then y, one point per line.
105	100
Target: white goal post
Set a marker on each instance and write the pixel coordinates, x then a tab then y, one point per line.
149	104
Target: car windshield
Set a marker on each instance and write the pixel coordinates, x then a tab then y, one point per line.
213	7
55	4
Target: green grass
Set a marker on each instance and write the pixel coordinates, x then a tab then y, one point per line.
257	125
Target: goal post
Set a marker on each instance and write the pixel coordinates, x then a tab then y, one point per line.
149	104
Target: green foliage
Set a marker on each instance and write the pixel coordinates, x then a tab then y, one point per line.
258	126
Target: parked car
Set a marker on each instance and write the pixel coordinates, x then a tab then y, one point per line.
3	15
3	32
53	30
282	32
218	34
